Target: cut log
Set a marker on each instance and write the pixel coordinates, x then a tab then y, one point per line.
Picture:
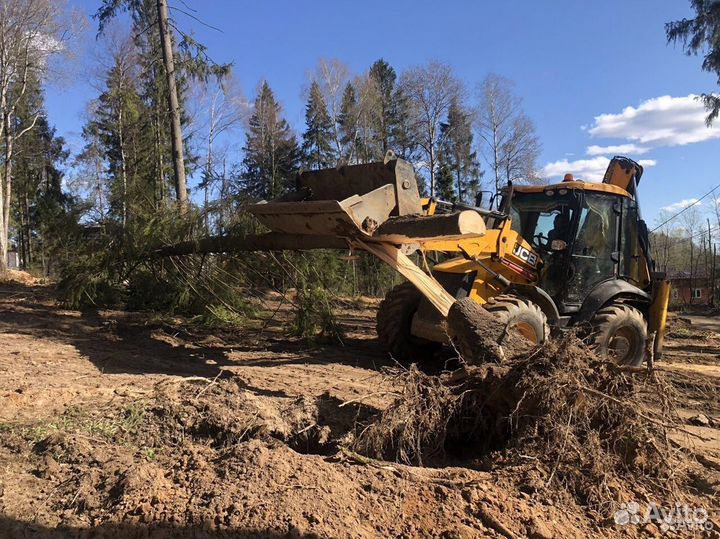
451	224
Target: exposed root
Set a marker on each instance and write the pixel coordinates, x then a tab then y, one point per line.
586	425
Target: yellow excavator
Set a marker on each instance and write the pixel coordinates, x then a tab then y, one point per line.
568	255
539	258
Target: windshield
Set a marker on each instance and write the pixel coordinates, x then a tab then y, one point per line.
541	218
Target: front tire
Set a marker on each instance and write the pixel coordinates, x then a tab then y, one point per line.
619	334
520	316
394	322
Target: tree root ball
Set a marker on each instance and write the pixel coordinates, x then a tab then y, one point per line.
478	336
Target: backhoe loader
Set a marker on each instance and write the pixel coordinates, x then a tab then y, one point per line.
540	259
568	255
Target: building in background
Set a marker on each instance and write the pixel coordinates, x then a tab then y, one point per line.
13	260
686	291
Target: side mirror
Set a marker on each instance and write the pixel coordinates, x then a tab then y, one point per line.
558	245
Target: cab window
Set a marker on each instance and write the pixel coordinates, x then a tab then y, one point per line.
540	218
593	257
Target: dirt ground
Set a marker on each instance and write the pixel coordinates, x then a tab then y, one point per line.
117	425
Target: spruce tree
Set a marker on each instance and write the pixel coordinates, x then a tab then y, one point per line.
457	151
317	139
701	35
166	67
272	154
445	180
44	215
402	131
384	78
347	121
119	122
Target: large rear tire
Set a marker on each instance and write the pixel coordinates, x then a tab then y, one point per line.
619	333
394	321
520	316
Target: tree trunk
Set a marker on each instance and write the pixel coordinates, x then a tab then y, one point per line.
6	195
443	225
712	278
692	270
22	252
176	136
209	168
496	164
123	168
28	230
432	169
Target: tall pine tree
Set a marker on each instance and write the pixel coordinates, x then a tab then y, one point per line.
457	153
347	124
445	180
317	139
383	76
272	155
44	215
120	122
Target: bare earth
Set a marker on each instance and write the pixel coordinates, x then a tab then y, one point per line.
140	429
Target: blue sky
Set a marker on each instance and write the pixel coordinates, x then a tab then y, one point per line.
571	61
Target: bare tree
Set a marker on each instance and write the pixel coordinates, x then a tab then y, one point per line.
430	89
87	177
691	222
509	143
520	153
221	109
662	242
332	75
364	145
31	32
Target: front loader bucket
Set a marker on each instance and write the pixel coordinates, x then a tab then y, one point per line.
356	215
349	201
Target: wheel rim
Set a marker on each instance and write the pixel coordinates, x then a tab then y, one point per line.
623	345
526	330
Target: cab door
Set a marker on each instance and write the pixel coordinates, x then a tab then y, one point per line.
594	253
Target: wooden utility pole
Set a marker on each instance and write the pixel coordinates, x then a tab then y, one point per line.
710	269
176	136
712	278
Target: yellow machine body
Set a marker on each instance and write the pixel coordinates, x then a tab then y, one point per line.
377	207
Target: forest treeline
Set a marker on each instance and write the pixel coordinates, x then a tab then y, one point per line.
159	162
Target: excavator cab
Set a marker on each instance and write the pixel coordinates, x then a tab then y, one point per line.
580	232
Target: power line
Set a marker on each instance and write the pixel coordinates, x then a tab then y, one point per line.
675	241
686	208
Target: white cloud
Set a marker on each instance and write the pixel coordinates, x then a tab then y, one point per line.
681	205
589	170
660	121
619	149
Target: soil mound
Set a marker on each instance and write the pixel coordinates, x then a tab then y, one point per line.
17	276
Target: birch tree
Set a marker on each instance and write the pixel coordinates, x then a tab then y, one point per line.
31	32
430	90
332	77
509	144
